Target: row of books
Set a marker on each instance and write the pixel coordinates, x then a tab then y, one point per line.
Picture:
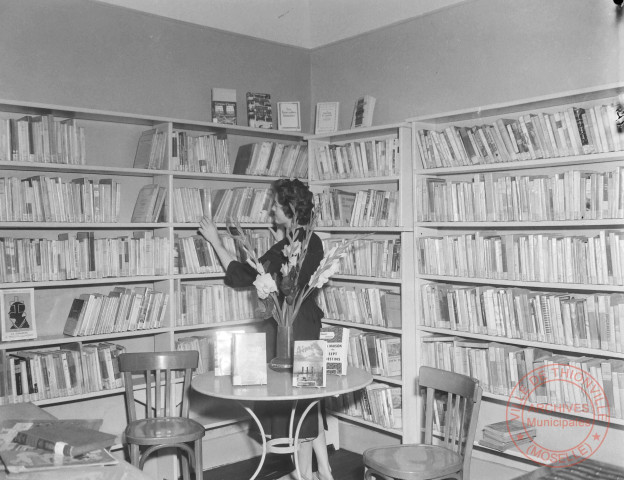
377	353
191	204
216	303
369	158
205	345
53	199
573	131
542	257
509	370
369	306
82	256
594	320
246	204
73	369
272	159
365	208
378	403
369	258
194	254
121	310
206	153
42	139
571	195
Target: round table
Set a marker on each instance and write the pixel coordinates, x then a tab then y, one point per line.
279	387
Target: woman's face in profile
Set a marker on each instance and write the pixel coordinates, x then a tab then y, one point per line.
279	217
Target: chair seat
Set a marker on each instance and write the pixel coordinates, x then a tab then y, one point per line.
413	462
164	430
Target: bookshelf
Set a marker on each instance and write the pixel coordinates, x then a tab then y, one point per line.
103	146
492	276
352	173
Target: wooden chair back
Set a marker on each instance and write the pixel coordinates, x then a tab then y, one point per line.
157	369
460	397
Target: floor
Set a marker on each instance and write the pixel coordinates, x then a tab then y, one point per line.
345	466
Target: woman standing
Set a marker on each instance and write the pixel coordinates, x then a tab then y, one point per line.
291	199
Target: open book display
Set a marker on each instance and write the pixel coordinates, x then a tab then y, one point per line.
24	458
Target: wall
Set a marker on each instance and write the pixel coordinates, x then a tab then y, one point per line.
86	54
475	53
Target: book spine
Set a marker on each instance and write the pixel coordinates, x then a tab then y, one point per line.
59	448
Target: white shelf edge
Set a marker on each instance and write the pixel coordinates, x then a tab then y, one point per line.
367	423
363	326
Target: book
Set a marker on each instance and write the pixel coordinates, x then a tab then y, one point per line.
224	106
223	352
65	439
149	204
259	110
363	112
337	339
309	359
249	359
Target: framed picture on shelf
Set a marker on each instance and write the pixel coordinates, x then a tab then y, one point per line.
18	314
326	117
288	116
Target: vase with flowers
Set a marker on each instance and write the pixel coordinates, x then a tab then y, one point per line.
281	295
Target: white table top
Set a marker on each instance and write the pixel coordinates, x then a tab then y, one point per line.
279	386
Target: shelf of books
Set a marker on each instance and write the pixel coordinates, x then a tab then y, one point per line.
519	259
99	249
362	181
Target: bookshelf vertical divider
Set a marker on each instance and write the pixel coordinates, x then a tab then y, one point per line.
471	193
338	164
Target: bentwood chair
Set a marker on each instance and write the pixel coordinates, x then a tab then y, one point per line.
165	425
449	456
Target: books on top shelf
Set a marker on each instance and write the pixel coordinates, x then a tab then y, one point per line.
367	306
363	111
591	320
151	152
149	206
53	199
63	439
272	159
364	208
576	130
42	139
309	360
357	159
337	339
249	359
223	105
537	257
122	310
569	195
205	153
259	110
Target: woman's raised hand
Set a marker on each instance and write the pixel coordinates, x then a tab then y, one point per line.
209	231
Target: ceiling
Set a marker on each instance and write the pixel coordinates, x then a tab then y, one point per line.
302	23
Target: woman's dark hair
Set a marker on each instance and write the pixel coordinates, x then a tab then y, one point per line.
295	198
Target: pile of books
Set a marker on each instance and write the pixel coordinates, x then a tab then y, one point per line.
503	435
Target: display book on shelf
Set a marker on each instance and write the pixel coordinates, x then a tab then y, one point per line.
519	253
113	263
362	182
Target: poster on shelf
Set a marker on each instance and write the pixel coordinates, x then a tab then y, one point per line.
18	314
